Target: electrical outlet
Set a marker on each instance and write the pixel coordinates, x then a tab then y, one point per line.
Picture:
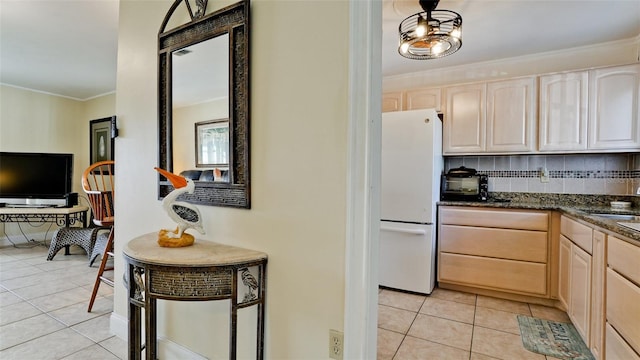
544	175
336	344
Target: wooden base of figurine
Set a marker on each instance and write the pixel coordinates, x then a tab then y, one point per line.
164	240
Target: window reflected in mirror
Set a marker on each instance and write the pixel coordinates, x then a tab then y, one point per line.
212	144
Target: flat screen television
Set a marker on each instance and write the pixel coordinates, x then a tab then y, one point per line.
35	178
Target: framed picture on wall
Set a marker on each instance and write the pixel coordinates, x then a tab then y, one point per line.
212	143
101	139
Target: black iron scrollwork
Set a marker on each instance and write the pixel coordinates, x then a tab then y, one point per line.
60	220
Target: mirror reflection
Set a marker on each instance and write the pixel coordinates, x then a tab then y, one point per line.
200	93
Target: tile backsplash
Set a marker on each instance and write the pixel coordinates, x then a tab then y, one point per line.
610	174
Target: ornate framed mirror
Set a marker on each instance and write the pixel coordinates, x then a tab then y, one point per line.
203	74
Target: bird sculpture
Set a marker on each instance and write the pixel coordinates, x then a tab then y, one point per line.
184	214
249	281
139	289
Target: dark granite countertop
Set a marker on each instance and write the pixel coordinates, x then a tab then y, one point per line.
581	207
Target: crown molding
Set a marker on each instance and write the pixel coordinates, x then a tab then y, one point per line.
584	57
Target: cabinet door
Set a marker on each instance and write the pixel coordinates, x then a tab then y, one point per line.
564	272
617	348
511	115
392	101
623	292
597	294
563	111
623	307
424	99
521	277
614	109
464	121
580	301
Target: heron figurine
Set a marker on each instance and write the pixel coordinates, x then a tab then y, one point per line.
249	281
184	214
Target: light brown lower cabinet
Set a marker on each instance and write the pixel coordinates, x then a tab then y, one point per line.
575	286
623	296
496	249
598	285
579	281
564	271
509	251
517	276
580	303
598	273
616	347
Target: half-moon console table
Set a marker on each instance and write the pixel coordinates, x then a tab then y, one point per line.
201	272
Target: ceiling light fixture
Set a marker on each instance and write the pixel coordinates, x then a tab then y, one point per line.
430	34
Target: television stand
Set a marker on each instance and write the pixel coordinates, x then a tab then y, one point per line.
62	217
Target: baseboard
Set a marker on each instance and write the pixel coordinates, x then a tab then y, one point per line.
119	326
167	349
501	295
20	240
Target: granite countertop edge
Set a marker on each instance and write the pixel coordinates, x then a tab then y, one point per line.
581	211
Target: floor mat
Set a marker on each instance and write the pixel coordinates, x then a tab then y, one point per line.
560	340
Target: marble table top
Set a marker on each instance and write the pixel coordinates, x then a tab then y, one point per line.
145	249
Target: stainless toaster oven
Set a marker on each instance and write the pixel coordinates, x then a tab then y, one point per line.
464	184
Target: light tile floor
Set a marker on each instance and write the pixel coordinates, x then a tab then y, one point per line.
43	307
43	316
454	325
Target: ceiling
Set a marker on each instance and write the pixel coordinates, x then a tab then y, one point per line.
63	47
497	29
69	48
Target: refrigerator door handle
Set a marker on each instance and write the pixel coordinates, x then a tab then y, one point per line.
401	230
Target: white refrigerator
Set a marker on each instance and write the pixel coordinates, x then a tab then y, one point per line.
412	164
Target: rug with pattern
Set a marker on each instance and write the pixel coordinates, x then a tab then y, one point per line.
560	340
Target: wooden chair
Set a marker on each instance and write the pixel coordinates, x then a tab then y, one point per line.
98	184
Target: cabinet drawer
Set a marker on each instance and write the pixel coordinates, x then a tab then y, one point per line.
579	234
519	276
485	217
498	243
623	307
624	258
616	347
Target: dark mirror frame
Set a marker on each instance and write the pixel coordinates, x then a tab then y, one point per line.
234	20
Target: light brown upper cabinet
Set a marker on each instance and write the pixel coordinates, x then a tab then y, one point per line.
511	115
425	98
563	111
465	119
596	110
429	98
614	109
494	117
392	101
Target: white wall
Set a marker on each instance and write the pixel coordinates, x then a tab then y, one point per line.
299	117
